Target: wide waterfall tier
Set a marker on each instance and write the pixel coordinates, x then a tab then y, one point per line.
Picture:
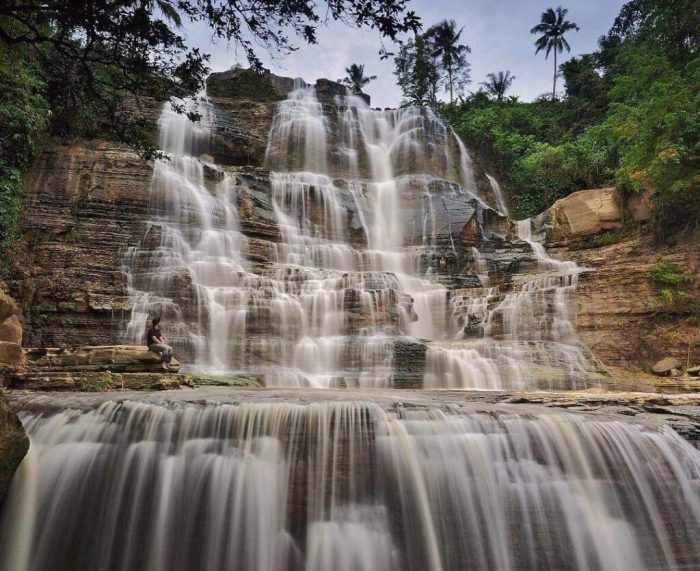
383	250
240	481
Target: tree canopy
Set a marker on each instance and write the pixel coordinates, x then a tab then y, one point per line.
432	61
629	118
97	54
498	83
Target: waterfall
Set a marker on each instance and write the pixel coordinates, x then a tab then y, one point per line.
370	206
529	335
160	483
498	194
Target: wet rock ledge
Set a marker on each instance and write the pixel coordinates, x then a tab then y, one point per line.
105	368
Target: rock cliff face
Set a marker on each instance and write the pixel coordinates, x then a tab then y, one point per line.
88	202
624	317
85	204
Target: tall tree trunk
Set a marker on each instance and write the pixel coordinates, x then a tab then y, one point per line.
554	84
449	79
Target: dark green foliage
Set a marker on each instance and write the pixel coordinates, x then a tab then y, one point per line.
24	113
417	72
97	68
630	118
430	61
444	39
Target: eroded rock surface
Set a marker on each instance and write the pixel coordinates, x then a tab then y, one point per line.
623	315
13	444
94	369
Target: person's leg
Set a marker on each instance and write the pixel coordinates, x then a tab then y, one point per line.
160	349
168	354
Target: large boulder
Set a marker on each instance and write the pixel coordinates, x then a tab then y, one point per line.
13	444
583	213
667	366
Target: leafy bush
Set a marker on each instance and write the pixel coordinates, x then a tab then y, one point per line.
668	274
23	116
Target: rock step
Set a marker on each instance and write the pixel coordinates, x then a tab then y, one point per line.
99	358
94	382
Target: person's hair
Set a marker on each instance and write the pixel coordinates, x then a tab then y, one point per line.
155	321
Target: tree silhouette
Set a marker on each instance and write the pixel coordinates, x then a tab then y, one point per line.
498	83
356	78
553	26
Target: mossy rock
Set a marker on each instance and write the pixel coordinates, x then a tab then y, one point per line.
243	84
223	381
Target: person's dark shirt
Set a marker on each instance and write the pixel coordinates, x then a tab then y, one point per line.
152	336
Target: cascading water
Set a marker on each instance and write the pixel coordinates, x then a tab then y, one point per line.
118	484
384	249
361	260
528	335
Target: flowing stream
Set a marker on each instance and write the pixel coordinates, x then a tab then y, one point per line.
331	480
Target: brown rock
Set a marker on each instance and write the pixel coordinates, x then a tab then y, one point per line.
638	207
620	311
85	204
13	444
7	306
90	381
10	354
11	330
694	371
108	358
584	213
666	366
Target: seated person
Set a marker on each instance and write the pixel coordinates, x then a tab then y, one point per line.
156	343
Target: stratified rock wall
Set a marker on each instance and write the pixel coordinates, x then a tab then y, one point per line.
87	202
85	205
623	316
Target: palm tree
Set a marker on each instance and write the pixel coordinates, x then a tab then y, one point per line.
445	38
552	26
498	83
356	78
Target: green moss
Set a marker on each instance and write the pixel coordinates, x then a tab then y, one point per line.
599	240
223	381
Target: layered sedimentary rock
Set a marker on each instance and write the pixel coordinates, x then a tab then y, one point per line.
94	368
624	316
85	204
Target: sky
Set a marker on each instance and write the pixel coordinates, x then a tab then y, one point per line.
497	31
